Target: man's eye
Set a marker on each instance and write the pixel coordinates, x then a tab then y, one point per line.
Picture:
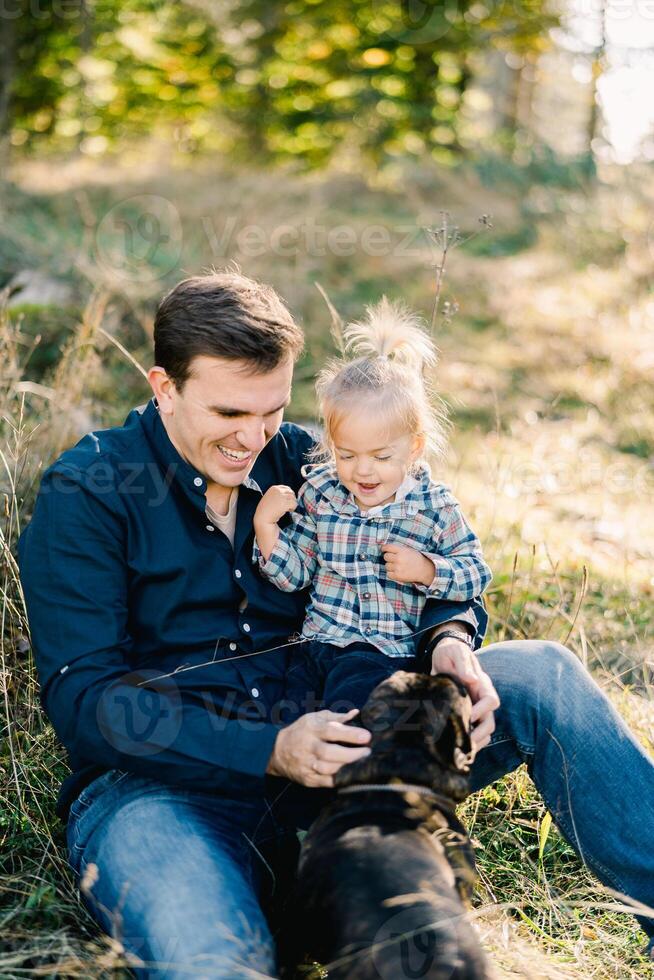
345	459
382	459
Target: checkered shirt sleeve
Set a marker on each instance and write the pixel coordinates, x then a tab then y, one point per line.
460	572
293	561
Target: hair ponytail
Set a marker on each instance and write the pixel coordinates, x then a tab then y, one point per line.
390	354
390	330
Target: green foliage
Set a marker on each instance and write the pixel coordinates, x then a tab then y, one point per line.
294	80
535	165
503	243
45	329
116	69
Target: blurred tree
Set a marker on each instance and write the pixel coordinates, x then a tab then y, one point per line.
387	77
598	66
296	79
93	74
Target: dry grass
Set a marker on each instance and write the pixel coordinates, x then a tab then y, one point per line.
546	369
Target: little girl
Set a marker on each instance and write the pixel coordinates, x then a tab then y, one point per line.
370	531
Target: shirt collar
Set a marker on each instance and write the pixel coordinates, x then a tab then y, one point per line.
413	494
408	484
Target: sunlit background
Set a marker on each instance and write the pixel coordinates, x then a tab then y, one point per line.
361	145
302	79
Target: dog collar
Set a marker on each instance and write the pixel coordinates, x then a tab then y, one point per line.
399	788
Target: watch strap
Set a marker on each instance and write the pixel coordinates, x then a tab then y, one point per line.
455	635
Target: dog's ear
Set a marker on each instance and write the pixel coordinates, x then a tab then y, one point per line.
448	731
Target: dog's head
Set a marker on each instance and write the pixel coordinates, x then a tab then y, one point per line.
420	729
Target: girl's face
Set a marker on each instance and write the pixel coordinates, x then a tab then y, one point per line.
371	459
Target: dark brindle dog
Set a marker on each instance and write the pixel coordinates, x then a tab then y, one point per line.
383	868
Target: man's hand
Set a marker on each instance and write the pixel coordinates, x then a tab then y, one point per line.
307	751
407	565
275	502
456	657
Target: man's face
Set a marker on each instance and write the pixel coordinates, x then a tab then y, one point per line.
224	415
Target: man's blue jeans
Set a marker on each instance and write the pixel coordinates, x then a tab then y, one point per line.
178	876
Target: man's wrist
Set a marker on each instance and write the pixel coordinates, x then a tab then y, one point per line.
465	629
457	625
463	636
273	768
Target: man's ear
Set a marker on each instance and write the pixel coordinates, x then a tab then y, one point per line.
164	389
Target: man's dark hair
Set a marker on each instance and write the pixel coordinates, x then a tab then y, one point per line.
223	314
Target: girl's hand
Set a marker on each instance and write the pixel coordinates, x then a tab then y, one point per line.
408	565
275	502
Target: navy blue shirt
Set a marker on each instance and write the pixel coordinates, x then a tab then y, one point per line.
160	649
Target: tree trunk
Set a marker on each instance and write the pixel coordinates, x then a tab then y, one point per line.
598	64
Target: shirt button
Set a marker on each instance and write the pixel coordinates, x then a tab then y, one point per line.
362	557
246	627
210	527
255	692
366	595
367	631
232	646
198	481
237	573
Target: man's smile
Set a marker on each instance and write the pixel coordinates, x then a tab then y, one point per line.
236	456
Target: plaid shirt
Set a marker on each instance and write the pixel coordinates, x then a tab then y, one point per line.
331	545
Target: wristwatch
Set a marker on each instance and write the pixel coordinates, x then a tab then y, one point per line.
462	635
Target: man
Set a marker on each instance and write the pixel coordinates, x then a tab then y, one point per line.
163	658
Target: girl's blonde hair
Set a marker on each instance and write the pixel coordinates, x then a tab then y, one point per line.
391	354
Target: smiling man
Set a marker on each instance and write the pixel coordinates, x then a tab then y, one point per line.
163	657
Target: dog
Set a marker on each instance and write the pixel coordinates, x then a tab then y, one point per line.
386	867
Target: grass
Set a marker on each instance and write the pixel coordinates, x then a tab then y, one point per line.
546	369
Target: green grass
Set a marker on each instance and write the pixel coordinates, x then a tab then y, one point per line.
551	451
